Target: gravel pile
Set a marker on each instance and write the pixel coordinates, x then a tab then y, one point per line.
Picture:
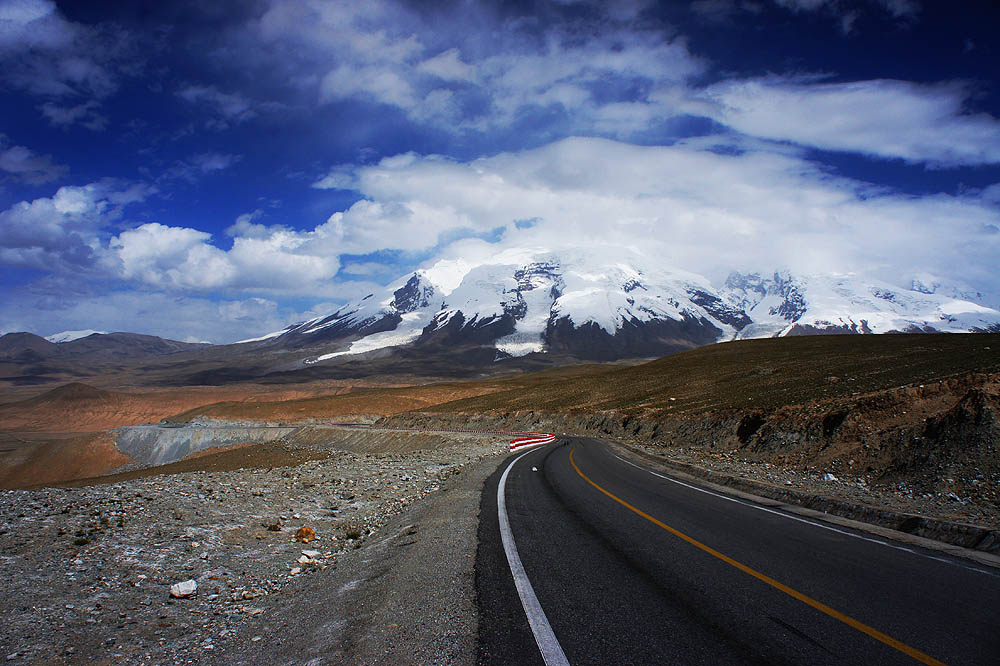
88	572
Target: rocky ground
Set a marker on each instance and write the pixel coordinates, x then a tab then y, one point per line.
309	554
88	571
943	503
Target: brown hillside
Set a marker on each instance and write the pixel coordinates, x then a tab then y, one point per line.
751	374
78	407
374	402
48	461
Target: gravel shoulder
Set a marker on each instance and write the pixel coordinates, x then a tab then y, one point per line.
407	597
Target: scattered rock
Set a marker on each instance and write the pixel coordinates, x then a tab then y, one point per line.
305	534
137	548
829	477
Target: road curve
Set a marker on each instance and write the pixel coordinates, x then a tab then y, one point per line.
630	567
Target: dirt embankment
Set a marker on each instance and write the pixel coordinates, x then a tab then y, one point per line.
934	444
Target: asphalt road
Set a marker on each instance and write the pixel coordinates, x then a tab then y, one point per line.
632	568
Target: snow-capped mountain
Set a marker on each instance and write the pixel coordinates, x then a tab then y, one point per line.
70	336
611	305
525	301
784	304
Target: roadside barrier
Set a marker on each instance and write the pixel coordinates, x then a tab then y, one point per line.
534	439
529	439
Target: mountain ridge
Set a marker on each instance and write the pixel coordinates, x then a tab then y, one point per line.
524	309
610	308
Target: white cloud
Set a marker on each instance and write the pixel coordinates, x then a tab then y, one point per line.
448	65
66	116
46	54
803	5
844	12
26	23
228	108
700	207
882	118
273	260
61	233
208	162
196	167
26	165
460	80
70	233
901	8
381	84
171	256
708	206
246	225
897	8
339	178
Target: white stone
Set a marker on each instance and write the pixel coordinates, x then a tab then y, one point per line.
183	589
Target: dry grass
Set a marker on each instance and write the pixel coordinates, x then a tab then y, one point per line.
750	374
376	402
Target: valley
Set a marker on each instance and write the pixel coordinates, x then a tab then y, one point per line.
140	488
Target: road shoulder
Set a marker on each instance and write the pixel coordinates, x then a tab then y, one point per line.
407	597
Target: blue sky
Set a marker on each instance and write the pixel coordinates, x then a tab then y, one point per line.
215	171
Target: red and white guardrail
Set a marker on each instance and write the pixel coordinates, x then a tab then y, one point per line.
528	439
532	439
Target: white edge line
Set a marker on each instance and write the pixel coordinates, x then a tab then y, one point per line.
548	645
803	520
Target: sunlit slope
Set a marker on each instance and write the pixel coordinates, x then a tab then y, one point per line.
377	401
751	374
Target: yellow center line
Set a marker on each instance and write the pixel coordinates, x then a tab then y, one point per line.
823	608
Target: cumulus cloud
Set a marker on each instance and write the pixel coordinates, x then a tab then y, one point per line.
76	232
24	164
63	233
882	118
269	260
246	226
171	256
